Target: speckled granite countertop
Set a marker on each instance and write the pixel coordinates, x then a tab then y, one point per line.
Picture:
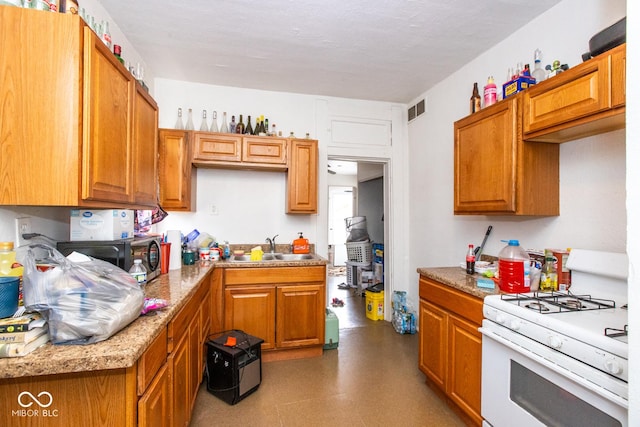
124	348
457	278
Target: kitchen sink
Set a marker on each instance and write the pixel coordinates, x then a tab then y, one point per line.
293	257
272	257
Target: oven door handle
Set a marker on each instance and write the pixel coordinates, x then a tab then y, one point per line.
538	357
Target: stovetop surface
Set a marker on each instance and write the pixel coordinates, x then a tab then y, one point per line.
587	324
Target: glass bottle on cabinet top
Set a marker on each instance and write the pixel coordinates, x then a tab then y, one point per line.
232	125
214	121
203	125
240	126
248	130
189	125
179	122
225	127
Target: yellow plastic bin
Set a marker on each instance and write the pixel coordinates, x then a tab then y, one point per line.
374	305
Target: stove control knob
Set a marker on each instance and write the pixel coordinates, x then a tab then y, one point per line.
554	341
515	324
612	366
501	318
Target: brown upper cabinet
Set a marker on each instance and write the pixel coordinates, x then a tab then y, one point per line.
80	131
176	173
239	151
181	150
585	100
496	172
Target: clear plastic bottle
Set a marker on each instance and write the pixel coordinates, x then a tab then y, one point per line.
538	73
189	125
232	125
179	123
514	268
214	121
139	272
203	125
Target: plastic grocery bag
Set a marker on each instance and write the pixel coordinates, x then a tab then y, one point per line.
84	300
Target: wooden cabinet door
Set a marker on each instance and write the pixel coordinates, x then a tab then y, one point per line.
40	118
302	177
266	150
195	357
300	317
181	395
485	150
145	148
176	174
573	94
221	147
252	309
619	76
465	366
107	145
154	407
432	353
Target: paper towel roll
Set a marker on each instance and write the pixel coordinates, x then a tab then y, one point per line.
175	257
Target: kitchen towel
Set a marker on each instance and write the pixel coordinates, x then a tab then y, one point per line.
175	257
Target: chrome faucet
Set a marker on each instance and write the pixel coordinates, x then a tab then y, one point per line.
272	243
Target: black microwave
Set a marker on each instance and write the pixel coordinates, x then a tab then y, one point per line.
120	252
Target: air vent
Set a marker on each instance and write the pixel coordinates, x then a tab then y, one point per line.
416	110
412	112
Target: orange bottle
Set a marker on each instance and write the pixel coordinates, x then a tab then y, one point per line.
301	245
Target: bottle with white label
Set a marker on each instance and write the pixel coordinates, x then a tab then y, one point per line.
139	272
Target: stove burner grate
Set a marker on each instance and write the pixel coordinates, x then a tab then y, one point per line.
615	333
565	301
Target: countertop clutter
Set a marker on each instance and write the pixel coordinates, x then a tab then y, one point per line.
457	278
123	349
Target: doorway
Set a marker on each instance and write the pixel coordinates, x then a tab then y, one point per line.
355	188
341	206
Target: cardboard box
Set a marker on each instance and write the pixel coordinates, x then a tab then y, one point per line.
564	274
101	224
514	86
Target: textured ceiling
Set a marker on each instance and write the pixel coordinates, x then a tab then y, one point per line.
387	50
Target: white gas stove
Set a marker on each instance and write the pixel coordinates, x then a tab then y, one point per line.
575	341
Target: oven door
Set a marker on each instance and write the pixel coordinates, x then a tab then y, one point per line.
525	383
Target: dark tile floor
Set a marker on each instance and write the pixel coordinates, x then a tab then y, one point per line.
371	379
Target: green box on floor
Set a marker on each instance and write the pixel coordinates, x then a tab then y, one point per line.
331	330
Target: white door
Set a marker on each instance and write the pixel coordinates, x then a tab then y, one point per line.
340	207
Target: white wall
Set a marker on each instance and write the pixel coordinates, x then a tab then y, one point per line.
592	170
251	205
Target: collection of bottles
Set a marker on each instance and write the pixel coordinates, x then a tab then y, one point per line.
261	126
62	6
516	269
491	90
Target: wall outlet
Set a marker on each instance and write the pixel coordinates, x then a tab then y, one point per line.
213	210
23	225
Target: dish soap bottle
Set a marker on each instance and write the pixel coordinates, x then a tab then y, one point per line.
549	274
301	245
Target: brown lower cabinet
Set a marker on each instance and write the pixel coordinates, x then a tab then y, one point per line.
158	390
285	306
450	346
